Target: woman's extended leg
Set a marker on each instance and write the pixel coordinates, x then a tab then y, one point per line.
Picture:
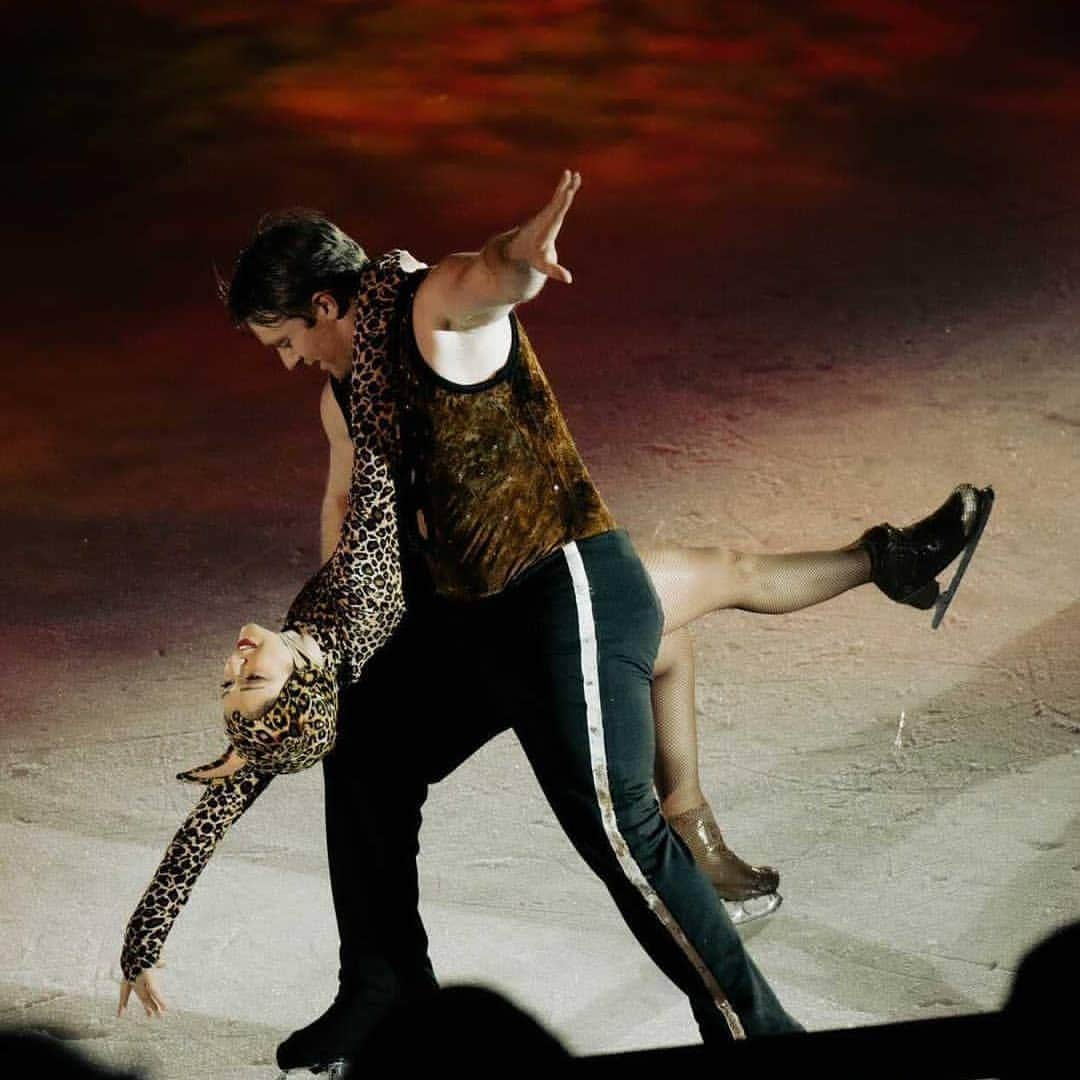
903	563
692	582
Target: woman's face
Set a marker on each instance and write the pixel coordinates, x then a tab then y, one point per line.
255	671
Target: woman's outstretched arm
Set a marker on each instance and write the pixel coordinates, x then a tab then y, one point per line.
188	852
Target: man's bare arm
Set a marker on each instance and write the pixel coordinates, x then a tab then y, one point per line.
471	290
336	499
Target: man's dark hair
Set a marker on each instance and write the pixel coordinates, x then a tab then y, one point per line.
292	256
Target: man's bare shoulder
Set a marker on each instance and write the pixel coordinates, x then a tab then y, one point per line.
410	263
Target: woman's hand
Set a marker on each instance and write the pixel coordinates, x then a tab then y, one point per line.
145	991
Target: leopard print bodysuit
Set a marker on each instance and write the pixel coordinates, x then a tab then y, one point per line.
351	606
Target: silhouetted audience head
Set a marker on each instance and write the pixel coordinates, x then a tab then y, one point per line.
1041	1010
24	1053
461	1025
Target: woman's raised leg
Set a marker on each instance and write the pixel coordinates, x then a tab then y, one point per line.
693	581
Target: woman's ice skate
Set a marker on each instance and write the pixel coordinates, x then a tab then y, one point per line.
905	562
749	892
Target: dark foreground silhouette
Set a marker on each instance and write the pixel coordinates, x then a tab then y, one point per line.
480	1032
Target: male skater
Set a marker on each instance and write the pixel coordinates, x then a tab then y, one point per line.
527	609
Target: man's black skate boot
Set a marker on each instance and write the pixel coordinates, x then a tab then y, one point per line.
904	563
325	1044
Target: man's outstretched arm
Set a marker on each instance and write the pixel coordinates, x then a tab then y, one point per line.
468	291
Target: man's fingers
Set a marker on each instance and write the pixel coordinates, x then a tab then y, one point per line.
561	188
570	189
551	216
568	183
555	271
564	196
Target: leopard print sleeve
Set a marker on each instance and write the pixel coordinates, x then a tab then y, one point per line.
189	851
356	600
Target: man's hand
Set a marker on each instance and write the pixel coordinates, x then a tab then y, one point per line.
460	314
534	243
145	991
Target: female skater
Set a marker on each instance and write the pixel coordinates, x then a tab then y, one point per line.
280	690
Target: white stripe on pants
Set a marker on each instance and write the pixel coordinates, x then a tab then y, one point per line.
590	675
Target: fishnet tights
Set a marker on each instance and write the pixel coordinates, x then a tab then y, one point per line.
694	581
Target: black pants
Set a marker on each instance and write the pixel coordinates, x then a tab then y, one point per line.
565	658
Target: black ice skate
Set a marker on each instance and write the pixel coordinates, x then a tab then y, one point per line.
324	1045
986	504
905	562
332	1070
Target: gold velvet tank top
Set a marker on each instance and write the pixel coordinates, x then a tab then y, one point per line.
490	479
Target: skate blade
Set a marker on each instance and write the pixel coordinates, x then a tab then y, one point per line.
986	504
334	1070
756	908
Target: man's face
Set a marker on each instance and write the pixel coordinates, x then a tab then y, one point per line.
327	344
